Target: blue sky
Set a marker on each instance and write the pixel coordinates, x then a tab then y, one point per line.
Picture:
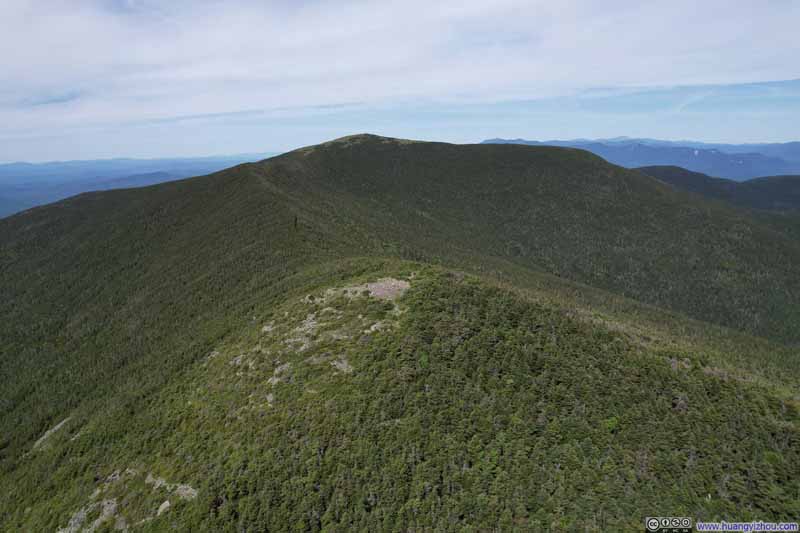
84	79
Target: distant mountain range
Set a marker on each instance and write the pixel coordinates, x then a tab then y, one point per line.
733	161
26	185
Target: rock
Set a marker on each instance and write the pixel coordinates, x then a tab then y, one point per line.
49	432
163	508
186	492
342	365
383	289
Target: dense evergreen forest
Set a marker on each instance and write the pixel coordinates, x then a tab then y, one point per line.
384	335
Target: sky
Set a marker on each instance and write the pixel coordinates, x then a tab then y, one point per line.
86	79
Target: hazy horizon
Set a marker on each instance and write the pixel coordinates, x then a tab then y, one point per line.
272	153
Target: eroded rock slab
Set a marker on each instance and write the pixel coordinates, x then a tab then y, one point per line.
382	289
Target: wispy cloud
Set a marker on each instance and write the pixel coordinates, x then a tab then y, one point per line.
44	99
151	60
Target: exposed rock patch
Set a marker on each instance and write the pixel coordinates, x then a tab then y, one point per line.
112	479
679	364
303	332
342	365
184	492
279	374
163	508
108	513
386	289
377	326
242	360
49	433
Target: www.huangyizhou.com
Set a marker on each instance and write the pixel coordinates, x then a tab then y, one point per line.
747	526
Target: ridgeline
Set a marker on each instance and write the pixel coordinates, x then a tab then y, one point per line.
378	334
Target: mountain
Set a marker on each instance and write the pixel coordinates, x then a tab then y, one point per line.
25	196
25	185
8	206
780	193
107	169
379	334
789	151
736	162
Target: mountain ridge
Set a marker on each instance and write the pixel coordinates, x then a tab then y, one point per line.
737	162
26	185
216	353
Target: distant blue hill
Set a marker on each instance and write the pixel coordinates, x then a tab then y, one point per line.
789	151
732	161
26	185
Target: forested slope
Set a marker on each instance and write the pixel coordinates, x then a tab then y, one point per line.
384	335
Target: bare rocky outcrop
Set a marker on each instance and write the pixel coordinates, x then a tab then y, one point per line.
387	289
383	289
110	516
302	333
108	513
182	491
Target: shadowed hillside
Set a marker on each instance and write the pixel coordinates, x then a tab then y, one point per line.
776	193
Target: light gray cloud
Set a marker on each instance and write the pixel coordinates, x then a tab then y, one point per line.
150	60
